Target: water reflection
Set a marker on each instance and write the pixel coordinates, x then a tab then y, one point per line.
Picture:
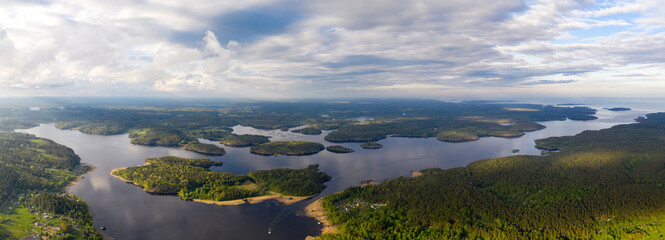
130	213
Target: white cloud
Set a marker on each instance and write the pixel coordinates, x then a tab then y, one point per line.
328	48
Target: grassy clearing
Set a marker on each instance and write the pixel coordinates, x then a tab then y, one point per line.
248	186
19	221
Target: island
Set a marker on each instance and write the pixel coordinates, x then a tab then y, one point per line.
571	104
618	109
605	184
191	179
205	148
339	149
179	125
160	136
104	128
450	130
292	148
308	131
169	137
247	140
456	136
371	145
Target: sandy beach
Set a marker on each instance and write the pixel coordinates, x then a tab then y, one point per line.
118	169
317	211
287	200
78	179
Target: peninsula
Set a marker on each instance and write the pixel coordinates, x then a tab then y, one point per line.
28	162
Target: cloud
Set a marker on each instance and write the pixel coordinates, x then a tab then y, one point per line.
286	48
547	82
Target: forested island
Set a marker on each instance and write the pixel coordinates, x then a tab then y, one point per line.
177	125
339	149
160	136
204	148
308	131
246	140
605	184
371	145
32	201
292	148
618	109
450	130
191	179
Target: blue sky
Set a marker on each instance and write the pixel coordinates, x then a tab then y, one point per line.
455	49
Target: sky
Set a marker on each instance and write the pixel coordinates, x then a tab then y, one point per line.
286	49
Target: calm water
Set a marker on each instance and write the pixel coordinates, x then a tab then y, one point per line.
130	213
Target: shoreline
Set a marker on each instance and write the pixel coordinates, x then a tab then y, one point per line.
78	179
316	211
284	199
125	180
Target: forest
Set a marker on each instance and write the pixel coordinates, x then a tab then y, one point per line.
371	145
605	184
302	182
28	162
34	173
192	179
204	148
339	149
160	136
178	124
245	140
308	131
444	129
293	148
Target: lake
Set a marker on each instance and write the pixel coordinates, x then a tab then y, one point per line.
130	213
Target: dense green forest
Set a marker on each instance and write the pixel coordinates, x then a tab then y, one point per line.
287	148
178	124
605	184
28	162
205	148
301	182
192	179
102	128
308	131
444	129
11	124
339	149
32	170
160	136
245	140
